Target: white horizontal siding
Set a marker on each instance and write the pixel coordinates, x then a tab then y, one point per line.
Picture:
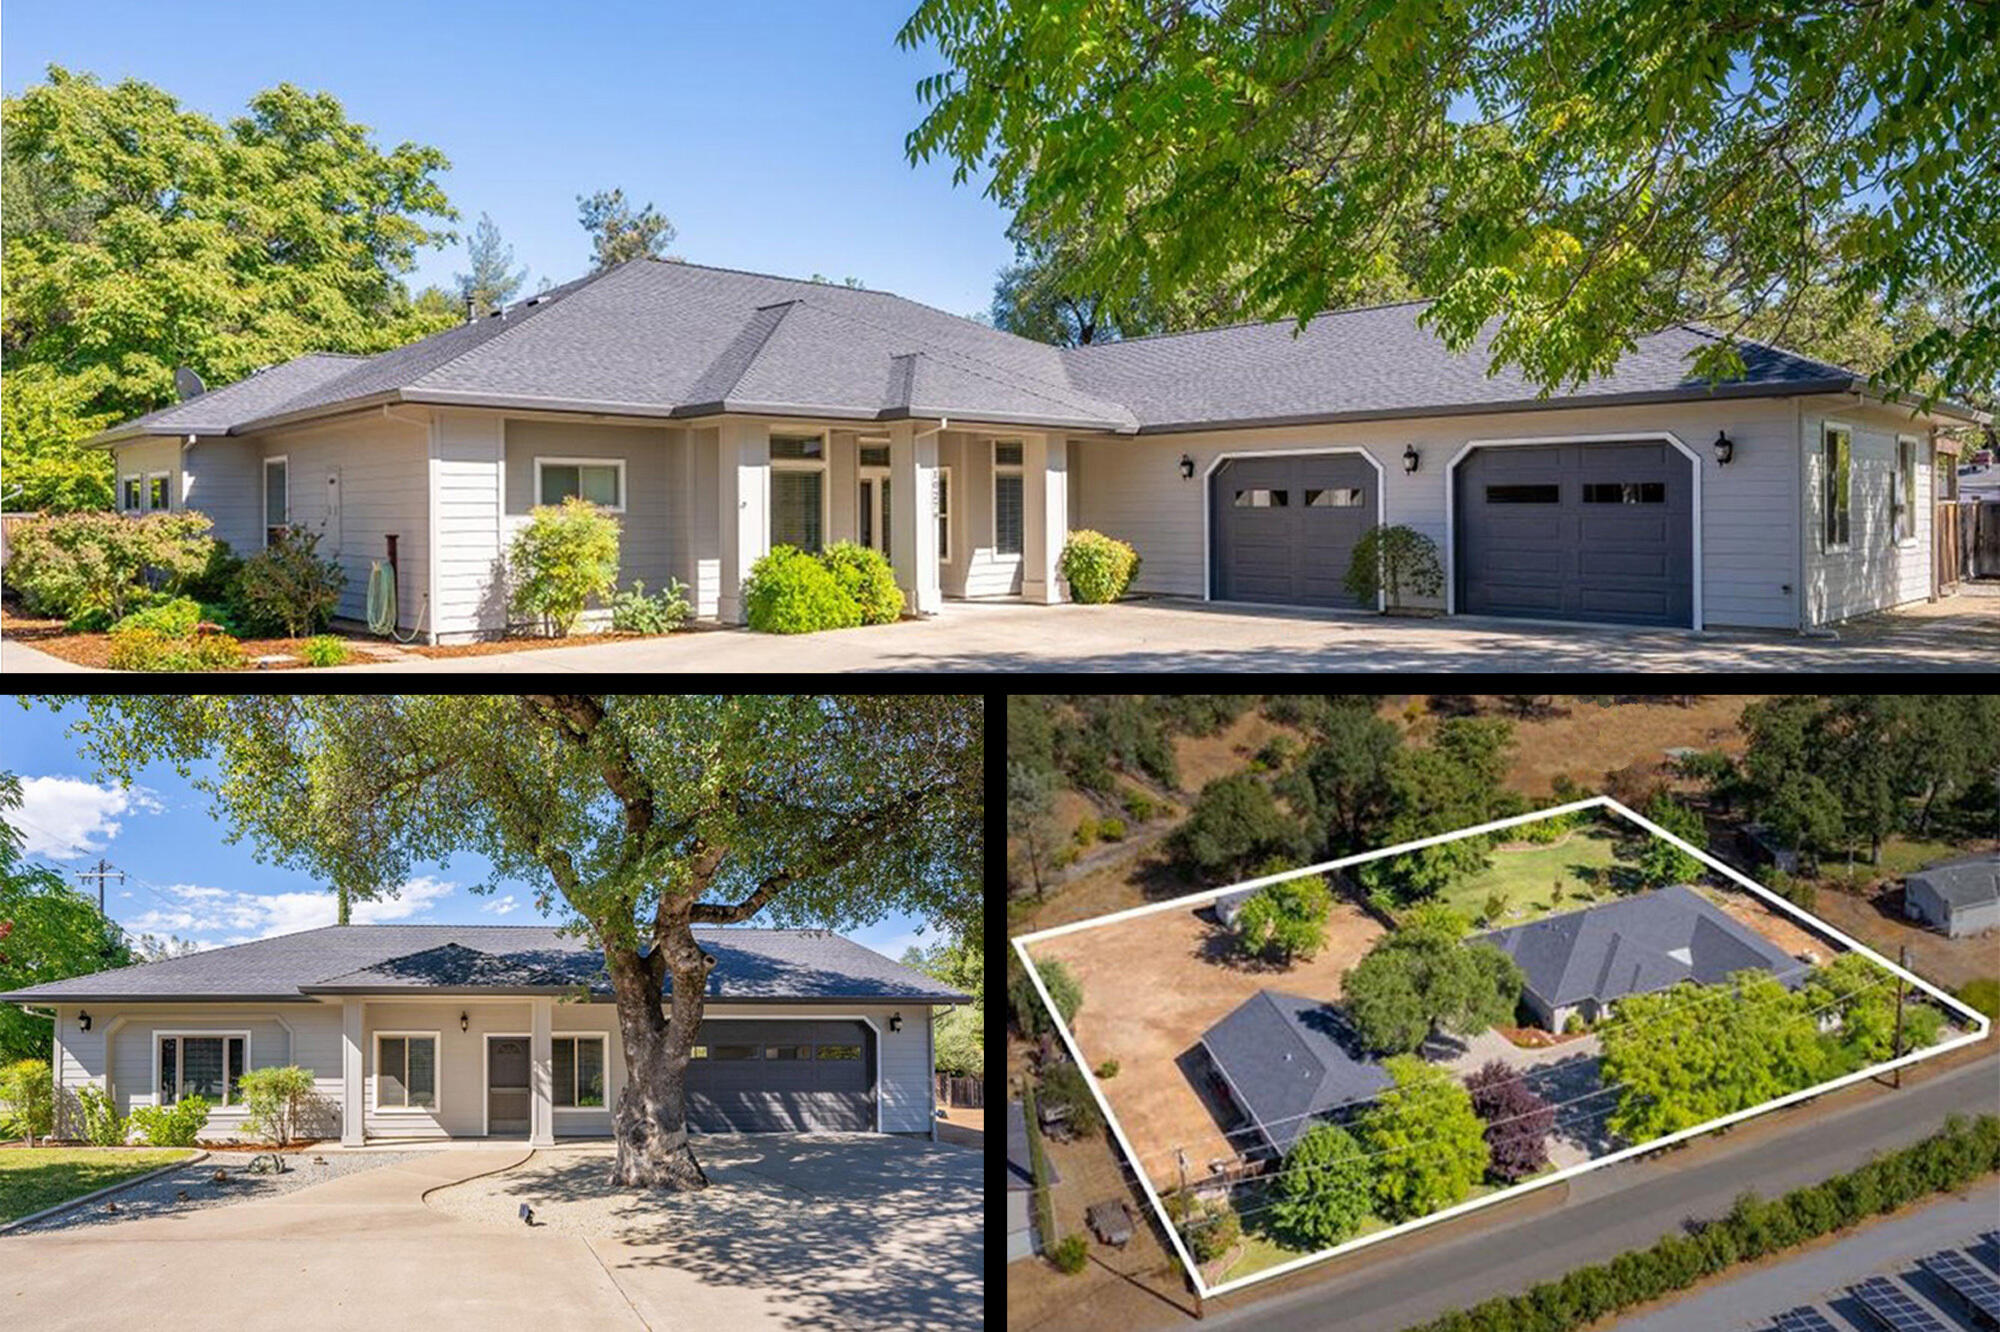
1873	572
379	464
144	457
222	477
467	451
646	533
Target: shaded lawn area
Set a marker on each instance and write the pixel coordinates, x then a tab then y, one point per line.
32	1178
1901	857
1584	863
1264	1247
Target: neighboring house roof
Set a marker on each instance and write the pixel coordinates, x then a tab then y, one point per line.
751	964
1020	1166
670	339
1289	1058
1973	881
1634	946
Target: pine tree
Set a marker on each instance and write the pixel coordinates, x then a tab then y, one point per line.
490	284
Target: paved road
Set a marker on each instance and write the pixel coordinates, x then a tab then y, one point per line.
1624	1207
1889	1247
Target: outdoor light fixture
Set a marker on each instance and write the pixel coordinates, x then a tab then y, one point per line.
1410	458
895	1022
464	1022
1187	468
83	1020
1725	448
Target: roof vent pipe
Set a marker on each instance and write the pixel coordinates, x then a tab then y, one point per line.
468	305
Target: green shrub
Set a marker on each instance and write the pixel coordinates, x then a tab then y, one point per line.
865	576
567	554
65	564
1108	1069
1069	1254
634	612
1982	994
175	617
173	1126
1209	1229
323	650
279	1100
1066	856
1097	567
1111	830
27	1100
1389	561
1139	806
101	1123
1574	1024
790	592
214	584
287	589
151	650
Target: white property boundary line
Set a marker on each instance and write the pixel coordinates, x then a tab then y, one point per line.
1979	1021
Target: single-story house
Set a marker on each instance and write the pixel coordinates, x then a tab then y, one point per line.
465	1031
1583	962
1959	897
1024	1239
1286	1061
719	413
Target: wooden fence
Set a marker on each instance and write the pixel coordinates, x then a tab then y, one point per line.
1946	549
968	1092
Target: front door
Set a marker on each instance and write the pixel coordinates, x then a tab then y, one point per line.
506	1084
871	509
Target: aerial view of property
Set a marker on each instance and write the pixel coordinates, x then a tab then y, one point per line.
643	1009
1345	1064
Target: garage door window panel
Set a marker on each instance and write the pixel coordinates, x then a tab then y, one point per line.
1339	497
1523	494
1624	492
1260	498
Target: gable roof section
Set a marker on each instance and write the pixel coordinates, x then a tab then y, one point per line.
1636	945
1963	883
751	964
1287	1059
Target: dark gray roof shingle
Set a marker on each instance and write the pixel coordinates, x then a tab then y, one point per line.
1288	1059
755	964
1969	882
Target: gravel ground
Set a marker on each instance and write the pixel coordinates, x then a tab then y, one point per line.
160	1195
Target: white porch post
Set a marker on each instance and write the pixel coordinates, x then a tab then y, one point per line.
351	1106
1044	515
743	504
541	1098
913	463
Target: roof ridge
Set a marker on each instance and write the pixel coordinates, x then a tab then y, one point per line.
1242	323
979	370
749	344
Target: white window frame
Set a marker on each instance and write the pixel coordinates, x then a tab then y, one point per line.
1826	510
551	461
999	470
167	477
1904	483
264	496
944	516
603	1038
436	1108
819	464
138	494
180	1060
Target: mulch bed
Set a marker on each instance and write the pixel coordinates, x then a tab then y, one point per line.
1534	1038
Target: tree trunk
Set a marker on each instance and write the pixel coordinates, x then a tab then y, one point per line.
651	1124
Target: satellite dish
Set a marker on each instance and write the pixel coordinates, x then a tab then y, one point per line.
188	384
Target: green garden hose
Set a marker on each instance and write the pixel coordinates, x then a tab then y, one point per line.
382	603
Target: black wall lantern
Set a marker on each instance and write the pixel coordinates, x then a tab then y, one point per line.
895	1022
1187	468
464	1021
83	1020
1725	448
1410	458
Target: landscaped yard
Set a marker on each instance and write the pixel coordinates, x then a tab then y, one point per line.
1263	1247
1526	875
32	1178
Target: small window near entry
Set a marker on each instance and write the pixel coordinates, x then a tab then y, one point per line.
1625	492
874	455
839	1052
788	1052
944	515
406	1072
1340	497
1007	453
798	448
156	492
598	482
1521	495
1259	498
1836	484
1007	513
732	1052
1902	494
129	499
578	1064
276	495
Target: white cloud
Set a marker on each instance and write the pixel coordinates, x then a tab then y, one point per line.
215	916
418	895
499	906
67	817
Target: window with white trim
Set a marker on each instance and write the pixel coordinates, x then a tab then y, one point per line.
1836	486
599	481
1007	497
798	492
156	490
128	494
405	1071
205	1066
1903	491
579	1070
277	494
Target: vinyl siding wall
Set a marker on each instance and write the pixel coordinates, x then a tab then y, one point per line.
221	477
1873	572
140	459
466	450
981	571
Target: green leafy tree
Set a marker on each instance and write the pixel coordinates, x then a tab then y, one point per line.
1863	997
1428	1145
1029	1014
1286	921
1559	197
565	555
280	1100
27	1099
1032	830
636	817
1660	861
617	234
1456	781
1389	561
958	1036
1325	1190
1341	785
66	564
1233	825
1063	1085
437	307
493	280
1424	978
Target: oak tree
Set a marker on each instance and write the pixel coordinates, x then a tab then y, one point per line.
1326	1188
1428	1146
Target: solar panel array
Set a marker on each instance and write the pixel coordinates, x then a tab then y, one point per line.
1805	1318
1969	1280
1895	1310
1992	1238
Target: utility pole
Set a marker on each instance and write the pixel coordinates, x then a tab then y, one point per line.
1902	989
101	873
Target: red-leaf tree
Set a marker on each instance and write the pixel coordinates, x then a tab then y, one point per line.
1518	1121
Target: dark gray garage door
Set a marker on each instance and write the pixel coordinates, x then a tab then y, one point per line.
776	1075
1284	528
1577	532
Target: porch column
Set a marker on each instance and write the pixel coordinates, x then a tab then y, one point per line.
742	511
541	1098
351	1106
1044	515
913	514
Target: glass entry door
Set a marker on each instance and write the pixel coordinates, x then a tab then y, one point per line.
872	509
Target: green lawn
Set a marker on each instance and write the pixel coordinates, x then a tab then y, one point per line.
1901	856
1525	876
32	1178
1263	1249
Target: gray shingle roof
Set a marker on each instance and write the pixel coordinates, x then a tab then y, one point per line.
1636	945
1969	882
1288	1057
752	964
656	338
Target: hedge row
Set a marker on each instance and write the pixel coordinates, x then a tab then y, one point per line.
1963	1151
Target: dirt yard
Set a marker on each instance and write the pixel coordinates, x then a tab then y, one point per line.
1151	986
1878	922
1203	758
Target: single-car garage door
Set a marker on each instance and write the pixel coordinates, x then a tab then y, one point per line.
1576	532
782	1074
1284	528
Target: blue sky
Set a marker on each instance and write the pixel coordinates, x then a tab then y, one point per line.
771	134
185	879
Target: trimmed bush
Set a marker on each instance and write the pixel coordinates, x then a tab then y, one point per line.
287	589
863	574
1108	1069
1098	568
323	650
1389	561
66	564
1069	1254
1086	832
27	1100
567	554
214	584
151	650
176	617
172	1126
1139	806
634	612
279	1100
790	592
102	1126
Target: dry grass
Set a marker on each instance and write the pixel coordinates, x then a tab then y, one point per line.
1203	758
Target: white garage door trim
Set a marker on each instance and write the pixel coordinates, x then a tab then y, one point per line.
1208	510
1594	437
